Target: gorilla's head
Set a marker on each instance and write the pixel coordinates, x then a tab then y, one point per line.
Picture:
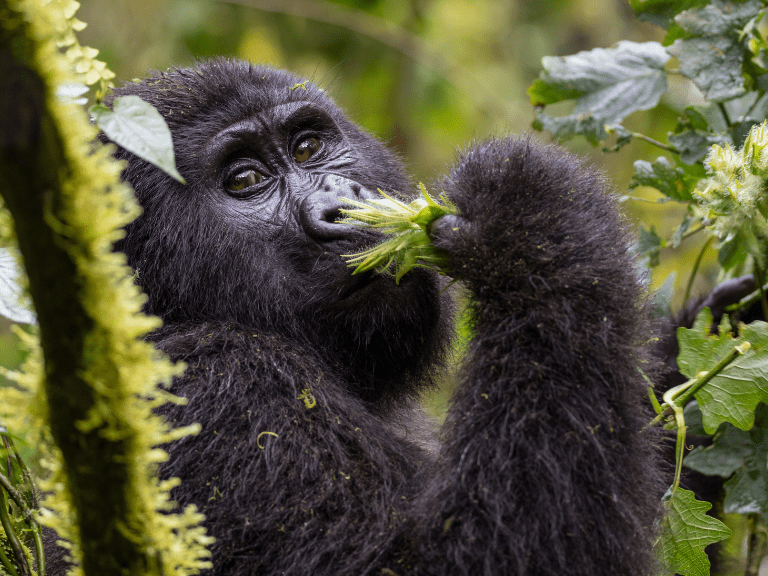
253	238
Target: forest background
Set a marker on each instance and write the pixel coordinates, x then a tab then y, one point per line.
426	76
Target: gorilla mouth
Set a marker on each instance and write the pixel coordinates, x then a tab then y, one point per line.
359	283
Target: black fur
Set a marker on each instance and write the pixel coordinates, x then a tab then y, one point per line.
541	467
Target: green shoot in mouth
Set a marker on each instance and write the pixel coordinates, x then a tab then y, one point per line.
410	245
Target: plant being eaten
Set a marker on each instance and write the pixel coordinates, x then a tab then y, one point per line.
409	224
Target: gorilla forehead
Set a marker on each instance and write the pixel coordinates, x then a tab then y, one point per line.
217	91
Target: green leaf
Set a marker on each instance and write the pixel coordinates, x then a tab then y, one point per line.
685	531
696	118
672	181
662	297
648	245
724	456
677	237
743	454
714	65
543	93
694	145
14	304
710	49
623	137
593	129
718	18
661	12
608	85
139	128
733	394
693	420
732	251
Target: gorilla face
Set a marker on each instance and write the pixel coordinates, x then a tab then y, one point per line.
253	237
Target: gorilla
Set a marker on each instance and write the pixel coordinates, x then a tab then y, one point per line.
314	458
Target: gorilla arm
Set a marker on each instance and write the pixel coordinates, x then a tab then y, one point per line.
543	468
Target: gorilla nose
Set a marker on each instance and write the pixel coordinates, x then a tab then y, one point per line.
320	211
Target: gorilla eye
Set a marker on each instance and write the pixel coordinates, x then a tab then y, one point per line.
242	180
305	149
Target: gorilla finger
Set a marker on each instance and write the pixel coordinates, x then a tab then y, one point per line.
446	230
727	293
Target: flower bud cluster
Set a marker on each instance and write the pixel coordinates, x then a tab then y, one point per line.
734	197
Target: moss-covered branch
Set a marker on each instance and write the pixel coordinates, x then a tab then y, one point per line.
68	206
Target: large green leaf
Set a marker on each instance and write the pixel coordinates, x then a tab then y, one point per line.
661	12
139	128
608	85
714	65
718	18
710	49
724	456
685	531
743	454
733	394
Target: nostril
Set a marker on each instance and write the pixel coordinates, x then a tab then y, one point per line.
356	189
331	215
319	217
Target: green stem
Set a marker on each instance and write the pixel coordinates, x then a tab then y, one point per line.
655	142
669	399
39	552
758	537
695	268
26	514
8	454
691	233
760	283
725	114
12	538
7	563
687	396
15	496
683	394
746	302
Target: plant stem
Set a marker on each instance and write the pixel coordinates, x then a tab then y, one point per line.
695	269
687	396
760	94
692	232
12	538
725	114
760	277
655	142
39	551
15	496
758	538
685	392
7	563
